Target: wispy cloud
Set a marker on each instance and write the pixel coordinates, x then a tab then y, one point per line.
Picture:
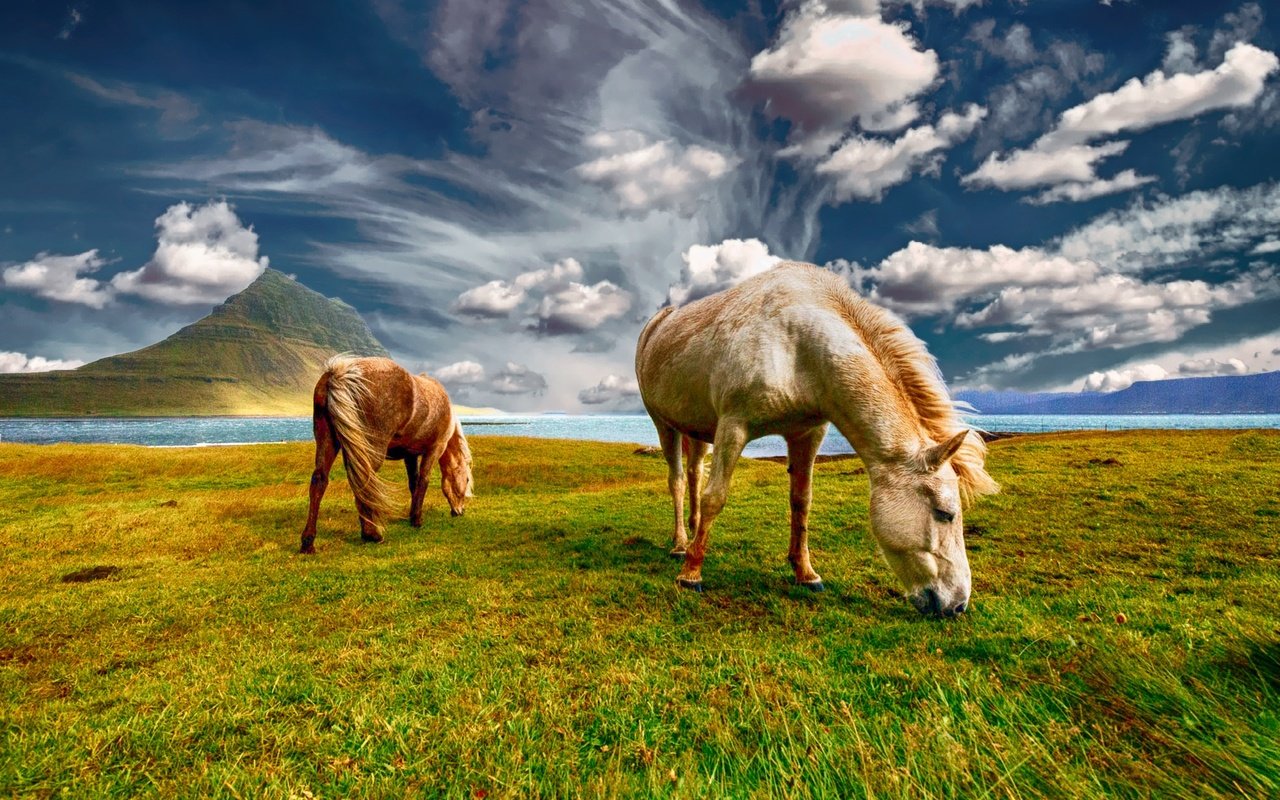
684	165
1065	157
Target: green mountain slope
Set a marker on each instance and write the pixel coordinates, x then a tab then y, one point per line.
260	352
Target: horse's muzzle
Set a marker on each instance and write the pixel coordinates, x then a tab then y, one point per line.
454	513
928	602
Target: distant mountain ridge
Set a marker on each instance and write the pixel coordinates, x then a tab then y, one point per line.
259	353
1225	394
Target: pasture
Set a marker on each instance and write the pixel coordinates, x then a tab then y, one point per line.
159	634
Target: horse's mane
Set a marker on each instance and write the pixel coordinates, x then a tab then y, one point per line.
915	375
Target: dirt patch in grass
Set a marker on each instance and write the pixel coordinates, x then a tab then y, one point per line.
98	573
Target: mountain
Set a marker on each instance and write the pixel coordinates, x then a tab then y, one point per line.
1228	394
259	353
1006	401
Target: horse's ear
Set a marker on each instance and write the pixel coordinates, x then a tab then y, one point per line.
938	455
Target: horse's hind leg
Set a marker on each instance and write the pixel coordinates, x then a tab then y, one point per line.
731	437
670	438
326	452
695	452
802	451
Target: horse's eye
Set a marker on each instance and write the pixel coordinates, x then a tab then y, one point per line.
943	516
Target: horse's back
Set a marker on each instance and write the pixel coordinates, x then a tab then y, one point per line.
385	396
753	348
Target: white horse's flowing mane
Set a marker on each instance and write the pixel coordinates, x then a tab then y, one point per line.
921	392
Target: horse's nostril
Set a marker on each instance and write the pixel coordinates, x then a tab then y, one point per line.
964	606
926	601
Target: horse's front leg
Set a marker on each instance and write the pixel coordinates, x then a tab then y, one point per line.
693	476
669	438
415	503
731	437
326	452
424	476
802	451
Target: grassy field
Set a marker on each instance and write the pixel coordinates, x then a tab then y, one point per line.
1124	637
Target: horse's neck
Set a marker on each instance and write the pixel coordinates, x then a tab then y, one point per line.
870	413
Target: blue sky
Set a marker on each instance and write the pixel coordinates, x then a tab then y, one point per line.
1053	193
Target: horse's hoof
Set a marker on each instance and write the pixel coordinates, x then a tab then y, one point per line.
307	550
813	586
677	553
693	586
375	538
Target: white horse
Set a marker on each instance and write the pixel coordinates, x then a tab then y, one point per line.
786	352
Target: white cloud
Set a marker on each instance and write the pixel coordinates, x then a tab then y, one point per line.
460	372
1181	55
74	17
1269	246
864	168
1160	98
833	64
1025	169
1257	354
176	111
560	304
712	268
11	362
517	379
203	255
577	308
925	225
1116	311
492	299
1113	380
59	278
1064	153
282	158
611	389
1080	293
1077	192
1168	231
466	379
1212	366
564	270
643	176
924	280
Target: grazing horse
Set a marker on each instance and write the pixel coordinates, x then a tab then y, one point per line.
785	352
371	409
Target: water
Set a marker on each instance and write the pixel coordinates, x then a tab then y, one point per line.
205	431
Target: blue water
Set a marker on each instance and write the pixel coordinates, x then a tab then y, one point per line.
192	431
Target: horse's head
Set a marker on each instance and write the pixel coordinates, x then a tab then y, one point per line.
916	519
455	466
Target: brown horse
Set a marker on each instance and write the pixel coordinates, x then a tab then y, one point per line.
370	409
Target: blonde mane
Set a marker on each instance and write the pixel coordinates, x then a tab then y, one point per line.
915	375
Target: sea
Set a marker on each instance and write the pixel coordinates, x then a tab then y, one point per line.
636	429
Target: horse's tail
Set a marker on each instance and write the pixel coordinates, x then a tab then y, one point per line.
347	396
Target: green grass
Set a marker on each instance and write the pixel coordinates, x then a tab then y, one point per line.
538	647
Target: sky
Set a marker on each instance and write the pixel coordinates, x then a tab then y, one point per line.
1054	194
